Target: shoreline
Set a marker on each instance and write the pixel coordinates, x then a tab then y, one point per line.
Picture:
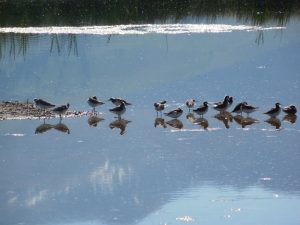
18	110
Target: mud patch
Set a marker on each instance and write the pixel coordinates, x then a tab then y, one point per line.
16	110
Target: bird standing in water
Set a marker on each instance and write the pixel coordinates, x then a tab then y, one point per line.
94	102
190	103
273	112
159	106
119	110
61	109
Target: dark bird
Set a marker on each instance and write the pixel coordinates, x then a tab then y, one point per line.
201	110
42	104
222	106
119	110
238	108
174	113
118	101
248	108
273	112
61	109
94	102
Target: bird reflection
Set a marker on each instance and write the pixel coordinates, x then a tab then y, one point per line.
190	117
62	128
225	117
159	122
275	122
93	120
290	118
119	123
244	121
202	122
175	123
44	127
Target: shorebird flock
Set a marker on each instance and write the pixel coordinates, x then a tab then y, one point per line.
93	102
221	106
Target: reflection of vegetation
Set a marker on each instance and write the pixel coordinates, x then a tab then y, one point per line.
92	12
100	12
58	42
14	44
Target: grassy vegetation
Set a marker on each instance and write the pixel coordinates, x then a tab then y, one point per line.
99	12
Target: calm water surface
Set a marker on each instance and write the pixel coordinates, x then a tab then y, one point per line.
83	174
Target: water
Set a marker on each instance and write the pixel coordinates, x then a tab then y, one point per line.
224	174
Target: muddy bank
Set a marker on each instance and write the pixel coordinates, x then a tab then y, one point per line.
12	110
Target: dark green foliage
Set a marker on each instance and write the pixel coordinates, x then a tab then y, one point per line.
100	12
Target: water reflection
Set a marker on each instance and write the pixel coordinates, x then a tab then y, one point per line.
127	181
292	118
160	122
244	121
62	128
61	42
202	122
175	123
275	122
93	120
224	117
45	127
119	124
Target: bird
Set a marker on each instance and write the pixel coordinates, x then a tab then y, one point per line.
119	110
174	113
273	112
118	101
61	109
248	108
238	108
201	110
94	102
218	103
159	106
42	104
190	103
290	109
230	101
222	106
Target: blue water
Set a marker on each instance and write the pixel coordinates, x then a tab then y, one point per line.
152	175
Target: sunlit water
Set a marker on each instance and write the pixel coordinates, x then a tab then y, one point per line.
77	173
